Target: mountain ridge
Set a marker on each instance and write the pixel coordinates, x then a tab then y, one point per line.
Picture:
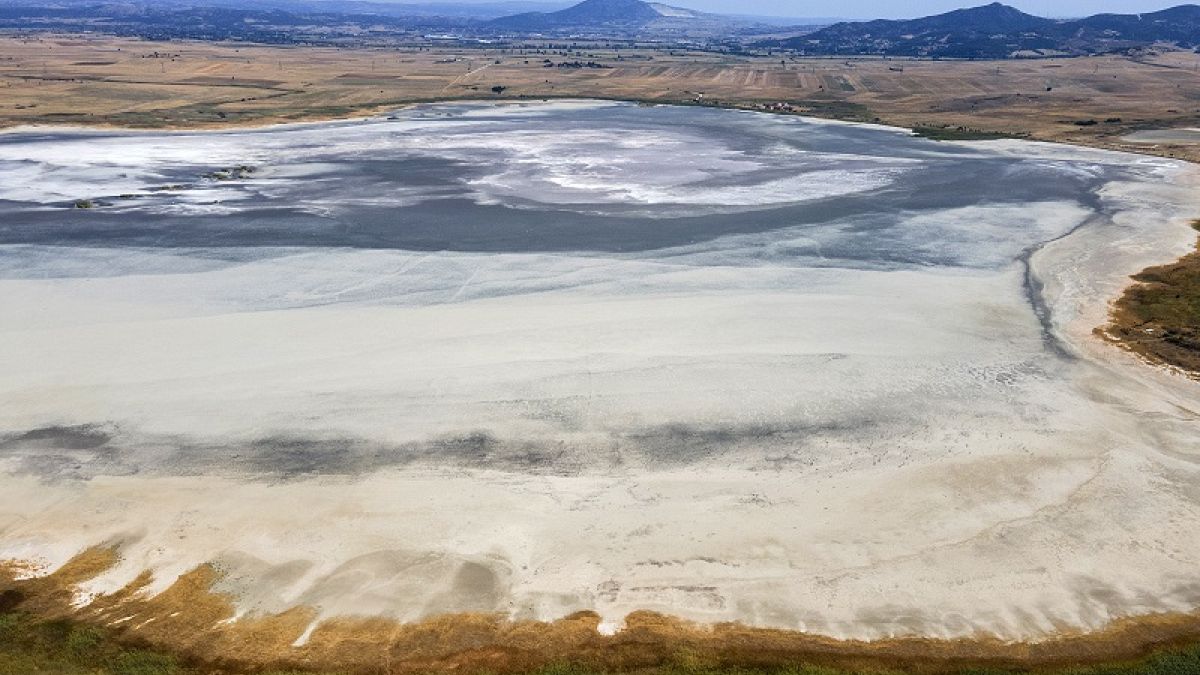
609	14
997	30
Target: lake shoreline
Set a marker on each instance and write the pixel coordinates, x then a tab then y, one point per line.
488	642
831	113
210	637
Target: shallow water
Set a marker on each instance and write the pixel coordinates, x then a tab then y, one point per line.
720	364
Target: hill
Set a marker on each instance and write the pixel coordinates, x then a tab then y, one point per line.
1179	25
619	16
1000	31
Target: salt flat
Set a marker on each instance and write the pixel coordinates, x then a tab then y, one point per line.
541	358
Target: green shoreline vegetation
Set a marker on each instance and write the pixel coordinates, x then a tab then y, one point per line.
952	133
1159	316
33	646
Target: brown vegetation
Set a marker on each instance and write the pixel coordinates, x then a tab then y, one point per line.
1158	317
98	80
193	622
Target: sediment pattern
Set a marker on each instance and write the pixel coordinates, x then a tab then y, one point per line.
529	380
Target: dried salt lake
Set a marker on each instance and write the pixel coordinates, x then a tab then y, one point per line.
541	358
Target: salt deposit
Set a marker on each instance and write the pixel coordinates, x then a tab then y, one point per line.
722	365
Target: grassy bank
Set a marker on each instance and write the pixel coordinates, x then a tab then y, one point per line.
959	133
1159	316
31	646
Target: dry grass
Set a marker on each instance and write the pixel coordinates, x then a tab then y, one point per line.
191	625
112	81
1158	317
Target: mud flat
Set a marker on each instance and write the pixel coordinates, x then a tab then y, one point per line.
592	364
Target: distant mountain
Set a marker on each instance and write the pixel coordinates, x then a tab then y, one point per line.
1000	31
587	13
463	10
987	32
380	22
616	15
990	31
1178	24
484	10
244	21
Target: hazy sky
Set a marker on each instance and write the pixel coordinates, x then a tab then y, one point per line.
891	9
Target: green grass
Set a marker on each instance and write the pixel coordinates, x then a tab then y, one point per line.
959	134
835	109
30	646
1160	317
1182	661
